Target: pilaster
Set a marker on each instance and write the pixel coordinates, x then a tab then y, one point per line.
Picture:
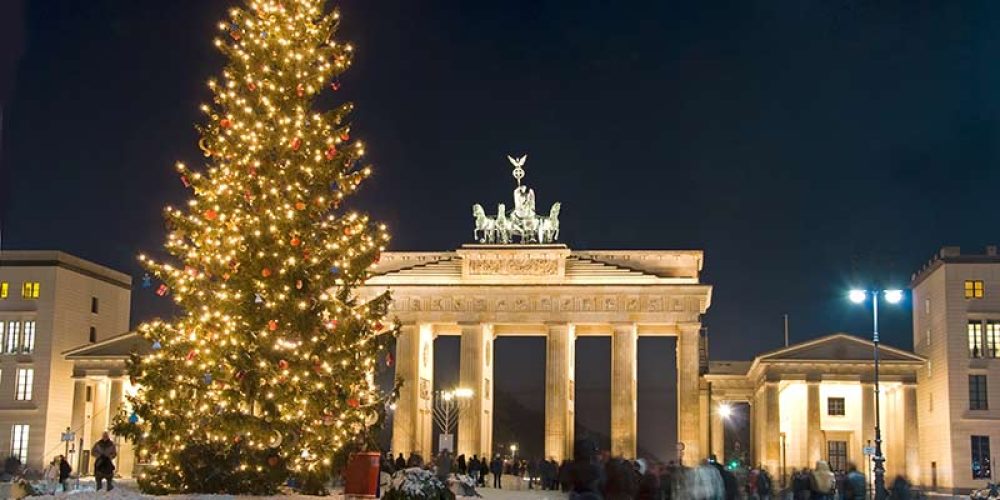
718	433
689	425
623	390
772	429
475	424
559	385
911	437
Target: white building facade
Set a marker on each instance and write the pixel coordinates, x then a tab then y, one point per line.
50	302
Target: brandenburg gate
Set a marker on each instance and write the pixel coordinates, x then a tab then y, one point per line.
518	281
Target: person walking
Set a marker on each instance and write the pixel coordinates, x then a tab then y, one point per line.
400	462
823	483
444	466
474	466
496	468
64	471
462	466
854	484
104	453
50	477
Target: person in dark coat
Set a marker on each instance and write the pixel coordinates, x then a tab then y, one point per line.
104	453
400	462
461	465
496	468
64	471
583	474
728	479
474	466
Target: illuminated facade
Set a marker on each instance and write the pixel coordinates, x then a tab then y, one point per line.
956	326
816	401
50	302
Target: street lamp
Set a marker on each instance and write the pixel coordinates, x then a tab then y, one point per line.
513	451
893	297
725	411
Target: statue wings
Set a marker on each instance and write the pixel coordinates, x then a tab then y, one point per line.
517	162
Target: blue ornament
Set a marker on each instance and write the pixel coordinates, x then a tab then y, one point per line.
207	378
156	345
334	270
147	281
263	34
133	418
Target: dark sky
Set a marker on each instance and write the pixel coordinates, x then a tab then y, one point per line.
803	145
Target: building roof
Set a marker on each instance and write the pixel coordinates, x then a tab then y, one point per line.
954	255
117	347
55	258
729	367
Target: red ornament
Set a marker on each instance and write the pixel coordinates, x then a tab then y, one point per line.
345	136
295	241
191	354
378	257
336	203
300	90
283	364
272	461
235	35
298	284
353	403
185	181
331	152
296	144
247	196
226	123
347	231
388	359
265	272
300	205
252	171
379	326
252	86
162	290
211	214
330	325
335	86
272	325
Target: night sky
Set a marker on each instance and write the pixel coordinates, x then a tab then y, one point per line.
804	146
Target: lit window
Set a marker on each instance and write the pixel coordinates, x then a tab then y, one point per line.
981	458
30	290
974	289
13	332
93	305
25	378
3	290
992	339
977	393
836	407
975	333
28	338
19	442
928	336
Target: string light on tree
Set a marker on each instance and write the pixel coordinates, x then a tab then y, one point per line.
267	371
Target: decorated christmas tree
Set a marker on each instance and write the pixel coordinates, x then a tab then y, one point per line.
268	370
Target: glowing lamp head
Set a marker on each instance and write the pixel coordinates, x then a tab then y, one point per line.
857	296
463	393
893	296
725	410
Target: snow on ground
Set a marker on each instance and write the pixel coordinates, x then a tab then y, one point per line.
127	490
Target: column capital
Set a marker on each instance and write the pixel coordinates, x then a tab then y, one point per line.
624	326
689	327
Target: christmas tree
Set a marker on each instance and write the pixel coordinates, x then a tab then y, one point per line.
268	370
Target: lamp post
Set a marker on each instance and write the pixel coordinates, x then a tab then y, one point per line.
892	297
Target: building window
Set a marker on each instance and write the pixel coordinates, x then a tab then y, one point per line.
974	289
4	288
975	333
992	349
28	338
836	452
927	306
19	442
977	393
89	393
25	378
981	458
30	290
13	332
93	305
836	407
93	334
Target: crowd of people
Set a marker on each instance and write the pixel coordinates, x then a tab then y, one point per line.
595	475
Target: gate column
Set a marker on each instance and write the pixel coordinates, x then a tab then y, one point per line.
559	374
688	421
475	423
412	423
623	390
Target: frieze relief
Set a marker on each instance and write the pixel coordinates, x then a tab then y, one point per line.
546	303
513	267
